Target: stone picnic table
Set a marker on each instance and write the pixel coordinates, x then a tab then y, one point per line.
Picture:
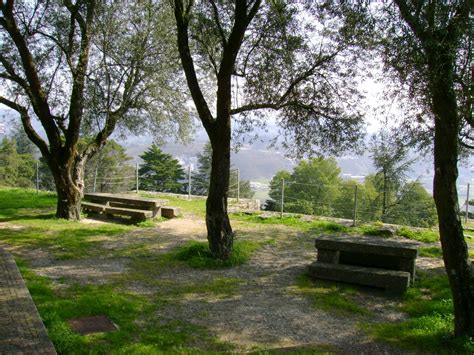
364	260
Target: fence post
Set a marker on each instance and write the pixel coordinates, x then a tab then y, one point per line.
354	214
37	178
189	182
467	205
238	185
136	178
282	196
95	178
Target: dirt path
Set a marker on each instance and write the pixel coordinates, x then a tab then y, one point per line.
263	314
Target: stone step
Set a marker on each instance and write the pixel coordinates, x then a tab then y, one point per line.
393	281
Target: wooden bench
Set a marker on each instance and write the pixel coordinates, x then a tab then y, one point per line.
115	205
365	260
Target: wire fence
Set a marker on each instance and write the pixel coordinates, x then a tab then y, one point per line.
358	205
291	197
124	179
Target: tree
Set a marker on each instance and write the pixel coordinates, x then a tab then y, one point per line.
160	172
427	47
200	185
315	181
414	207
276	186
368	208
312	187
72	66
389	155
16	169
271	51
109	170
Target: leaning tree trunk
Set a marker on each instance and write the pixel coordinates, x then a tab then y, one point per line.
68	179
455	250
219	230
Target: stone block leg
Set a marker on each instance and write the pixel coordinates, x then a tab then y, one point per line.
328	256
408	265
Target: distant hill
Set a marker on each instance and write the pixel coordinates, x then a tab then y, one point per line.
258	163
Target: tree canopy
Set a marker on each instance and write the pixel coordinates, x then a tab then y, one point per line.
85	68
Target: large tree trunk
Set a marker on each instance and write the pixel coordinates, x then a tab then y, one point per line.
455	250
68	179
219	230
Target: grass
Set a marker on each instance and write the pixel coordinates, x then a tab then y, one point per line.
328	296
430	252
135	315
426	236
198	256
195	206
17	203
430	326
144	330
294	221
64	239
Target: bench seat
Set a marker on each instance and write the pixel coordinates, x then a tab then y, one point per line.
135	214
95	207
391	280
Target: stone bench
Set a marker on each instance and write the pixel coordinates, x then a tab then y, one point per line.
390	280
365	260
113	205
170	212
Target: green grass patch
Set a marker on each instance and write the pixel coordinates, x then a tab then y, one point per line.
426	236
430	252
328	227
430	326
16	203
195	206
198	256
139	330
294	221
64	239
328	296
375	230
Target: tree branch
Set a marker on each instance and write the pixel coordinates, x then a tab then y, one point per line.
27	126
215	12
35	89
182	21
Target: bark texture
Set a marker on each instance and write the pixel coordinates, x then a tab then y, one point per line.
455	250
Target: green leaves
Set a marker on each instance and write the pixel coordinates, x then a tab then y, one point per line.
160	172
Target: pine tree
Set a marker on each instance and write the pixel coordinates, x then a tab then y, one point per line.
160	172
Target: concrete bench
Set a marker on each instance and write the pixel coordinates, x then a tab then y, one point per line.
112	205
92	207
134	214
390	280
126	202
365	260
170	212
